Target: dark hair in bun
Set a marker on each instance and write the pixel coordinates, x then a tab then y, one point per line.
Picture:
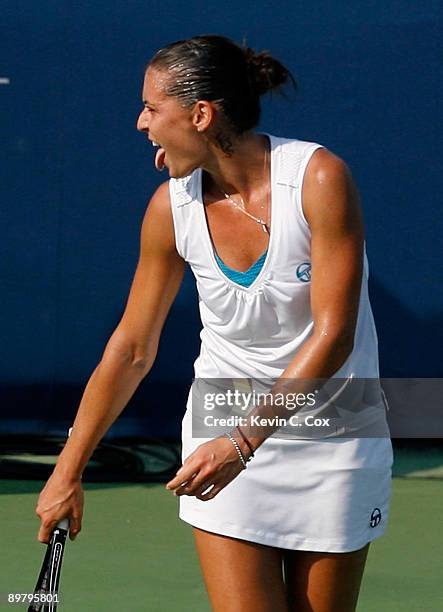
216	69
266	73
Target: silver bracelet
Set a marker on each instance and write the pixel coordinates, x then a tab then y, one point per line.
237	448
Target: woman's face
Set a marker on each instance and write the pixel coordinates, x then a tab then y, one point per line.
168	124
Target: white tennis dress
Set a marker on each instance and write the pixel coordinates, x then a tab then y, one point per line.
329	494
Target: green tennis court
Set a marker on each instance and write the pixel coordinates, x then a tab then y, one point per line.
135	554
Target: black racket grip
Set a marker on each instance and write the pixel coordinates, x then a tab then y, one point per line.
49	577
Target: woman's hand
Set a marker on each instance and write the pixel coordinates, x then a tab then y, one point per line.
213	463
60	498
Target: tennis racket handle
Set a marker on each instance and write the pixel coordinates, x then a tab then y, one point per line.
63	524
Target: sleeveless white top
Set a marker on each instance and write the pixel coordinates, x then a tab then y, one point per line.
254	332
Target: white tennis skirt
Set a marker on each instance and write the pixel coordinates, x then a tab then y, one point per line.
329	495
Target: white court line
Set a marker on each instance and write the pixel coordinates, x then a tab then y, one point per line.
4	81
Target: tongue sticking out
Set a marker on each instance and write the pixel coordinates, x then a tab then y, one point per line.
160	159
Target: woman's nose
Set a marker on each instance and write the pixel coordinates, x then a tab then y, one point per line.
142	122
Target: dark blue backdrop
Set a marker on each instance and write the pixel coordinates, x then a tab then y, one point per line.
76	177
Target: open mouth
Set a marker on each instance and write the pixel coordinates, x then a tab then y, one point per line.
159	156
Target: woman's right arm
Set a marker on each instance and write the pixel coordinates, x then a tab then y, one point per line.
127	358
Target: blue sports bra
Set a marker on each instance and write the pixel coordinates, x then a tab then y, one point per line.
245	279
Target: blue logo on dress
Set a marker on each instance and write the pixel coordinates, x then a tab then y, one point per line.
304	272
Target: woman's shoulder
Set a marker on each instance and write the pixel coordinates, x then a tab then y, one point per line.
328	179
326	166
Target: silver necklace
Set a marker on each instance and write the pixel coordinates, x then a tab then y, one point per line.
241	207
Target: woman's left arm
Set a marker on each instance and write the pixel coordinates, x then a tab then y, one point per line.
332	210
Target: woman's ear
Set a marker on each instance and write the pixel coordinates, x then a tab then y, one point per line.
203	115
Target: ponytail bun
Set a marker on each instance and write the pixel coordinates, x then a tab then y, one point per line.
265	72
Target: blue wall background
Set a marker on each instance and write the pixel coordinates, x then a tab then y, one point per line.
76	177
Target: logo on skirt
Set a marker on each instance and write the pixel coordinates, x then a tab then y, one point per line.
375	517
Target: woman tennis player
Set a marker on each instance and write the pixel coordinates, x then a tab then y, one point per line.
272	230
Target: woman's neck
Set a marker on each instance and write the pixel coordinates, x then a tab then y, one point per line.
243	171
